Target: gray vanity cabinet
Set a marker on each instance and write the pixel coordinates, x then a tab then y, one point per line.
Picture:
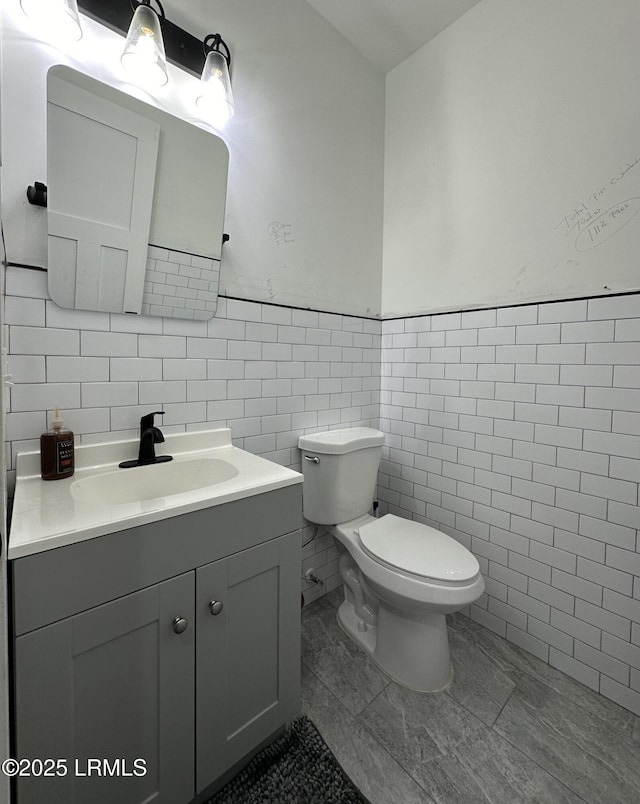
114	682
175	642
248	631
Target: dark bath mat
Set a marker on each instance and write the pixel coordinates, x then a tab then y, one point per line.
297	768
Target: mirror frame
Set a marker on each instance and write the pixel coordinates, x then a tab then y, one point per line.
181	262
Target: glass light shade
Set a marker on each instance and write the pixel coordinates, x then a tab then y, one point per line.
216	100
57	17
143	56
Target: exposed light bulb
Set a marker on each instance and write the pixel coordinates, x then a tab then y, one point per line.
143	56
216	100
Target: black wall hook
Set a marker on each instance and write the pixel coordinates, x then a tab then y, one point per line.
37	194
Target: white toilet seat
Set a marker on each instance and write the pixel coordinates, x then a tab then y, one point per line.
418	550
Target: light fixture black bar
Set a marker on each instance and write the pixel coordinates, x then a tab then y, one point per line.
181	48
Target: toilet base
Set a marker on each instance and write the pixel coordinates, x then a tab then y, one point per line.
415	653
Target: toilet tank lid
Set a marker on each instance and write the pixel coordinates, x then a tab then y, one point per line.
337	442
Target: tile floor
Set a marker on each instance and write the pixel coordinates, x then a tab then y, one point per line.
509	729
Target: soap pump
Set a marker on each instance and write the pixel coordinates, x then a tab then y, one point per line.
56	450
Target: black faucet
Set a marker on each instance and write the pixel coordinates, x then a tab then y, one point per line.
150	435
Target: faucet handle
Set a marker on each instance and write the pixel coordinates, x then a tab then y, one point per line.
149	436
147	421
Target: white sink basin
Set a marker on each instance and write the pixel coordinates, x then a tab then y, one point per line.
150	482
100	498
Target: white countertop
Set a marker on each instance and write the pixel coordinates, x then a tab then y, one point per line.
47	515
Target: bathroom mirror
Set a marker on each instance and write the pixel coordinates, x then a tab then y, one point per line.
135	203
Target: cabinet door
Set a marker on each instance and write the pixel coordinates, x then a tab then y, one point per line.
248	654
114	683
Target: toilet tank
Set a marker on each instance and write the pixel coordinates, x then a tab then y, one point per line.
340	469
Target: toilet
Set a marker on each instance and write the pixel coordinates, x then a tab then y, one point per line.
400	577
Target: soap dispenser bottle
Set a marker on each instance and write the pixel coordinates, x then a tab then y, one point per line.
56	450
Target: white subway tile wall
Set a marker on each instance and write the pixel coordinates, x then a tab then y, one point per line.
180	285
517	432
269	373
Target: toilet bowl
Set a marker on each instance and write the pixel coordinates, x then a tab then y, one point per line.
413	576
400	577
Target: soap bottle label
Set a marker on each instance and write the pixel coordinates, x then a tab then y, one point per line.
64	457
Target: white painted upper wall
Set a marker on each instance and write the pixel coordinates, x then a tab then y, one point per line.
512	158
304	199
389	31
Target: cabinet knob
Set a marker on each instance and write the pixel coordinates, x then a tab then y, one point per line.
215	606
180	625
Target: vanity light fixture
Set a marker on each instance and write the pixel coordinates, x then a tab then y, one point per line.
143	56
209	60
216	100
59	17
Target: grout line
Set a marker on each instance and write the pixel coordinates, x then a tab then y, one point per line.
544	770
382	318
334	699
